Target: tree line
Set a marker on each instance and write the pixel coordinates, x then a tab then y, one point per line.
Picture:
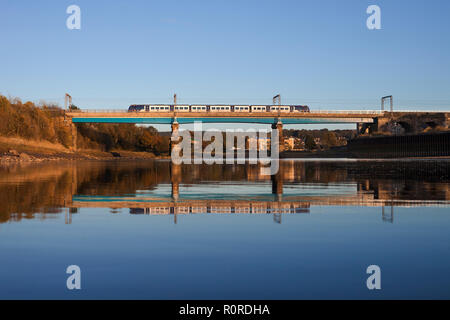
47	122
327	138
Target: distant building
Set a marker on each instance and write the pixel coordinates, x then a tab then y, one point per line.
294	143
289	143
261	144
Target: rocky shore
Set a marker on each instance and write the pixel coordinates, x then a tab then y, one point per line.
15	157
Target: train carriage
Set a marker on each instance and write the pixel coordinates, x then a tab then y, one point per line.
220	108
159	108
196	108
280	109
241	108
182	108
300	109
217	108
136	108
258	108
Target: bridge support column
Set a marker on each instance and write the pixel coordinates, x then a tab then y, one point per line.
74	132
358	128
175	127
279	126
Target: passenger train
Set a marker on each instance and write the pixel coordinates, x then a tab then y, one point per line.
215	108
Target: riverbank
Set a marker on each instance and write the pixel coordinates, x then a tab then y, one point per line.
334	153
18	150
424	145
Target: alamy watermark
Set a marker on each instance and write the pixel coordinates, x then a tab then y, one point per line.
374	280
238	142
74	280
374	20
73	22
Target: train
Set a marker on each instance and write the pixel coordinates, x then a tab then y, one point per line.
217	108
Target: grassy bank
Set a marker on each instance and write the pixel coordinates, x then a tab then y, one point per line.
33	132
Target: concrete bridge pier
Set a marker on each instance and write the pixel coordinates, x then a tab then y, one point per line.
359	128
279	126
366	128
175	128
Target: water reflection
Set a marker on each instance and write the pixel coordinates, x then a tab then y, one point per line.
158	187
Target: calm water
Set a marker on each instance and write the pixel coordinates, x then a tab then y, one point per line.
148	230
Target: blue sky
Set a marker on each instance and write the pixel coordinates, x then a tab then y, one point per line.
318	53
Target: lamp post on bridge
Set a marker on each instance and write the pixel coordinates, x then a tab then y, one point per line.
274	99
174	105
67	101
278	125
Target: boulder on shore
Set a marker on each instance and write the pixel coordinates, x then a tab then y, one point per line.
13	152
24	156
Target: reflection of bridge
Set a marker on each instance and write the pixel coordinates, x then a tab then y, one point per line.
277	200
291	204
275	203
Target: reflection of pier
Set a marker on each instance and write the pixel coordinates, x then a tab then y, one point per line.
175	179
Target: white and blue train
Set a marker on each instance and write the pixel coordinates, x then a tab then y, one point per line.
215	108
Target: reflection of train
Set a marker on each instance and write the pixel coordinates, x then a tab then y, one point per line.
214	108
254	208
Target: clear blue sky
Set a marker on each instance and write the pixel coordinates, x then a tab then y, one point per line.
318	53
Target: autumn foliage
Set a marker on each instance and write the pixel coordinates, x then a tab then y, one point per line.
46	122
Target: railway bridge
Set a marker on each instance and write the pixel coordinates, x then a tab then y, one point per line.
276	120
366	121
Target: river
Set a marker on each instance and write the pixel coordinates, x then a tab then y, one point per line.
152	230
